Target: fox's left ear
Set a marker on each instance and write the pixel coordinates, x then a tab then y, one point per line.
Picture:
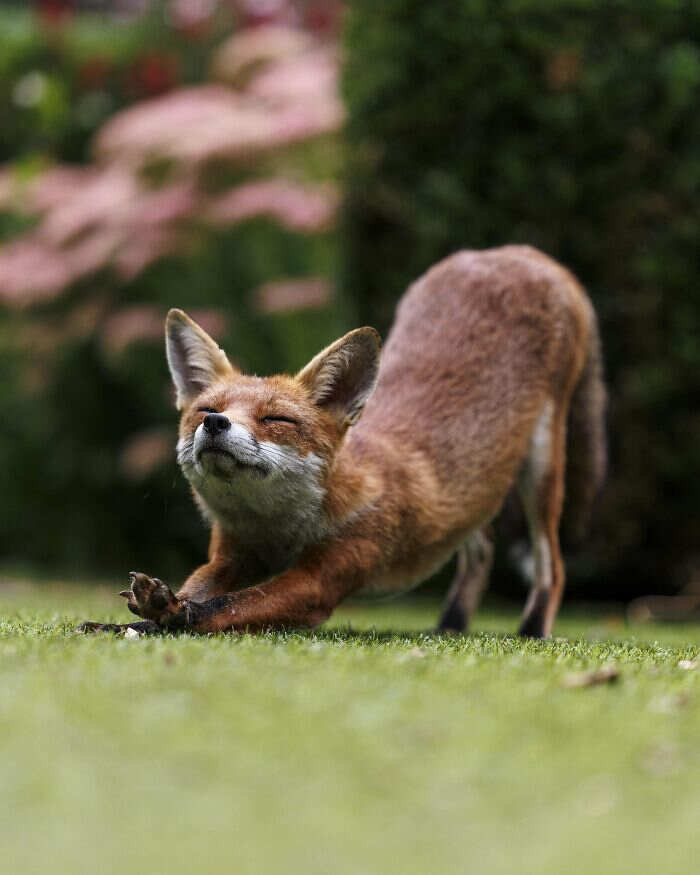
342	377
194	359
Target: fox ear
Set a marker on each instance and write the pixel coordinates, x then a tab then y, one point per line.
194	359
342	377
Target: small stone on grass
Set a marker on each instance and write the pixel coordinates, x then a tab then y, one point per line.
607	674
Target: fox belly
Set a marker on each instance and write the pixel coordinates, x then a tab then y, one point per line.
408	575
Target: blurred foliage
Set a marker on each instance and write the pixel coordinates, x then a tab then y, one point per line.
63	74
88	477
574	127
71	496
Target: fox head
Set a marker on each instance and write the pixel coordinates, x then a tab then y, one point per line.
263	445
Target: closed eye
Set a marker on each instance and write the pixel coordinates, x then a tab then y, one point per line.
206	410
279	419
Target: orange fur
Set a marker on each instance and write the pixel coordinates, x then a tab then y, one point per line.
472	400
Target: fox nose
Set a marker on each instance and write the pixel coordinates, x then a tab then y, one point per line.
216	422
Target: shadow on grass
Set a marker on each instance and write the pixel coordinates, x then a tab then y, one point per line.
334	635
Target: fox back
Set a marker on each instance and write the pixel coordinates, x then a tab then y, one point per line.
480	345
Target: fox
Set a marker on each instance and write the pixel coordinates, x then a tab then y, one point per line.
367	471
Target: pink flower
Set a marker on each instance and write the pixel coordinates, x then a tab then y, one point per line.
193	126
144	323
147	451
299	208
192	17
303	78
129	325
284	296
252	49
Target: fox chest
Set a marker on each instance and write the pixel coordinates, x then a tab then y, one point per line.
265	548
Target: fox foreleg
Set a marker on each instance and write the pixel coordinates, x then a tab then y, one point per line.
292	600
304	596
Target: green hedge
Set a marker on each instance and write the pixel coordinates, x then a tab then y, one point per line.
573	126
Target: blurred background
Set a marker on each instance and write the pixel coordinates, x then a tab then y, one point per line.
282	169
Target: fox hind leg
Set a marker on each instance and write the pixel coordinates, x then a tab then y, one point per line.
541	489
474	560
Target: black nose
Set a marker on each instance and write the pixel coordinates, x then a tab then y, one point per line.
216	422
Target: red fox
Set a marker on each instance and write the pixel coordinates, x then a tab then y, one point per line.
364	474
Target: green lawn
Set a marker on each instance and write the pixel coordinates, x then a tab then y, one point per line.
345	751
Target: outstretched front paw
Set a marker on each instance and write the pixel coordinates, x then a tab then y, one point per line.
151	599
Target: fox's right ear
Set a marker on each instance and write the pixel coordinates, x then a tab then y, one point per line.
194	359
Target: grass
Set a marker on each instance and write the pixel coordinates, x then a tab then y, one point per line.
349	750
